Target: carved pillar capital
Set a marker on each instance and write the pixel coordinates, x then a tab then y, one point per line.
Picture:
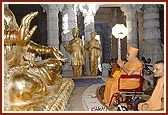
66	8
49	7
131	7
87	9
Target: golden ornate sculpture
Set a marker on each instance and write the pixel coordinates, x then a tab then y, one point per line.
31	85
93	47
76	49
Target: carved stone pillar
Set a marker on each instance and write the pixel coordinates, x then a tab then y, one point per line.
152	47
69	21
131	21
52	11
140	31
89	11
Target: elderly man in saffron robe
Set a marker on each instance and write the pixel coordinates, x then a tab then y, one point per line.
156	101
132	66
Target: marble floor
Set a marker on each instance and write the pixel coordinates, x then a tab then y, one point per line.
84	99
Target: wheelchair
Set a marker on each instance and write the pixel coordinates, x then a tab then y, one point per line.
128	99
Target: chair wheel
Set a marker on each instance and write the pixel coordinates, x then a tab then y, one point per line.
136	102
122	108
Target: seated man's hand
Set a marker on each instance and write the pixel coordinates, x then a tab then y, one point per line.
120	63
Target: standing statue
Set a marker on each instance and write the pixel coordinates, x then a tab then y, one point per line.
76	49
93	47
31	85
